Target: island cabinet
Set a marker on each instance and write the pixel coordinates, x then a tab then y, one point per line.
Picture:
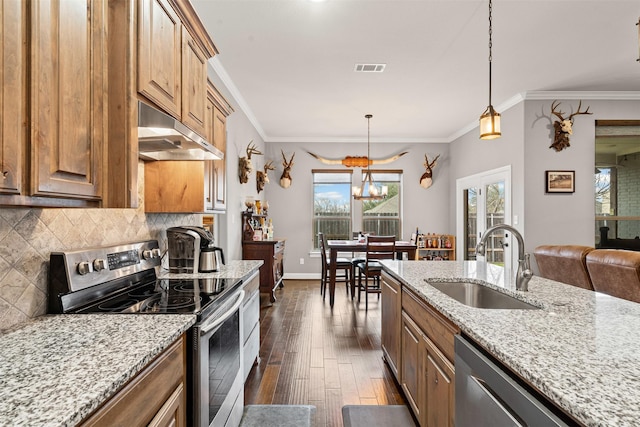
418	346
391	321
54	126
272	271
155	397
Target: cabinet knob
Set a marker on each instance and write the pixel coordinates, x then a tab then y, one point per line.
4	174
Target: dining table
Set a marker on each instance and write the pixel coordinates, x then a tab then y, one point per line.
354	246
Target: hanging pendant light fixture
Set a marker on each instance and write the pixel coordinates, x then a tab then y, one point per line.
490	119
369	190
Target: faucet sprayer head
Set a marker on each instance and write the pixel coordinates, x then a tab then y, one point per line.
480	249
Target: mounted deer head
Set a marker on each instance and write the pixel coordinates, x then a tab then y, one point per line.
285	178
262	178
564	127
244	164
425	179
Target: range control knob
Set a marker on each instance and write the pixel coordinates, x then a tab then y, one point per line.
147	254
156	253
99	264
84	268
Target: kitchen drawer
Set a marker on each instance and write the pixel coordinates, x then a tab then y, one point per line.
439	329
251	350
251	285
250	315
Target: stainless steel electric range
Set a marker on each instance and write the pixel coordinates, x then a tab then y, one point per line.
122	279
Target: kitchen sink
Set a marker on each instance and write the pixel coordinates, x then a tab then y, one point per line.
479	296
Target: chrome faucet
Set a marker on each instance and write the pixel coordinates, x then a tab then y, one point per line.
524	273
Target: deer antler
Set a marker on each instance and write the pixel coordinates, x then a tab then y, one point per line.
558	114
580	112
432	164
269	167
287	163
251	149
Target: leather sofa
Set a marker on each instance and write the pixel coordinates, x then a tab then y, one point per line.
564	263
615	272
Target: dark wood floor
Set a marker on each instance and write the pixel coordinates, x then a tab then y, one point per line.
312	355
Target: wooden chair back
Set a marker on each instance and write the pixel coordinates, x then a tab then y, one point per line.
381	247
323	247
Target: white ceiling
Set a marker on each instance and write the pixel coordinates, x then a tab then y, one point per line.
292	61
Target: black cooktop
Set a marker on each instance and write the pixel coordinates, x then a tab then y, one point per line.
173	296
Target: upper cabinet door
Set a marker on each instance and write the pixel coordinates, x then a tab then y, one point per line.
219	166
13	95
68	93
194	84
159	57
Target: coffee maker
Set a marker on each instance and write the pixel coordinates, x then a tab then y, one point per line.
191	250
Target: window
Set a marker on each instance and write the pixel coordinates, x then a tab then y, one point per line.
331	204
382	217
336	214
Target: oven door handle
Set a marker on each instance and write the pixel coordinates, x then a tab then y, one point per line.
206	328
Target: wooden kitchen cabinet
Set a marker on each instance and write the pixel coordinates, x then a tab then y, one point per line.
272	271
14	130
215	170
194	84
154	397
160	55
391	318
428	373
172	63
54	119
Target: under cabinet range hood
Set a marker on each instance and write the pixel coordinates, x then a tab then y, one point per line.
162	137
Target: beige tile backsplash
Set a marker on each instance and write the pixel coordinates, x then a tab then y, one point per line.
28	236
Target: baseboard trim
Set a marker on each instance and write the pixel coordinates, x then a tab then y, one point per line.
302	276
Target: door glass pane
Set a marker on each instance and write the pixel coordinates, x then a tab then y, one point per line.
494	208
470	223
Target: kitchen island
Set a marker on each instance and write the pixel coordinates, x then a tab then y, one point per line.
580	350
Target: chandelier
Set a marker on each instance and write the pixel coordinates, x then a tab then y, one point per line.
369	190
490	119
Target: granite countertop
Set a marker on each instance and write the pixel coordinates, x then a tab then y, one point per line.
580	349
237	269
57	369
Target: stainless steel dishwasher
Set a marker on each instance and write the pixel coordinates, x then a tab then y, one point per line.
488	395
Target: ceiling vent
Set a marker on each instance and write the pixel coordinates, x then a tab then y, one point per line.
369	68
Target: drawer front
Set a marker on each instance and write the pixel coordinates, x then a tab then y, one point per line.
251	285
251	350
250	315
439	329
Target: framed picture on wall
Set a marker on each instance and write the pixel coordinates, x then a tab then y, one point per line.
560	181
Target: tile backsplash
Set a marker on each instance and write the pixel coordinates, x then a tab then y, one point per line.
29	235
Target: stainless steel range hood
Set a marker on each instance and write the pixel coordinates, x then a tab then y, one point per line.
162	137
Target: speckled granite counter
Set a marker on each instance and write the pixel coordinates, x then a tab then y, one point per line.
231	270
581	349
57	369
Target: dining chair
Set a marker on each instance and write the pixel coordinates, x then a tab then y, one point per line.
343	265
378	248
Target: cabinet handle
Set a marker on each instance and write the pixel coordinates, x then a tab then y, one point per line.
4	174
436	380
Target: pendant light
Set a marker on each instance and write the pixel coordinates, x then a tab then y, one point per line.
369	190
490	119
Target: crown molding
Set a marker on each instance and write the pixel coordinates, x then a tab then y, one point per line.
511	102
237	96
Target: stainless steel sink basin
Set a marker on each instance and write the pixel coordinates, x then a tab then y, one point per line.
479	296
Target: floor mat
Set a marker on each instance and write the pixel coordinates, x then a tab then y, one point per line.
278	416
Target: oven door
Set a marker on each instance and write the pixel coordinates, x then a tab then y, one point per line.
218	396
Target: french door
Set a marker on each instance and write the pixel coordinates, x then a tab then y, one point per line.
482	201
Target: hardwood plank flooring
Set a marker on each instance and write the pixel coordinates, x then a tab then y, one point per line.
312	355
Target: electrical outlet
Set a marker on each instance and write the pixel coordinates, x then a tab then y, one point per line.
301	261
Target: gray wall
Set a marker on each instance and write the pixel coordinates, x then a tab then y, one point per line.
292	209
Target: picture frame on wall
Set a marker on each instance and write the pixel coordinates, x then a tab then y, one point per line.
560	181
